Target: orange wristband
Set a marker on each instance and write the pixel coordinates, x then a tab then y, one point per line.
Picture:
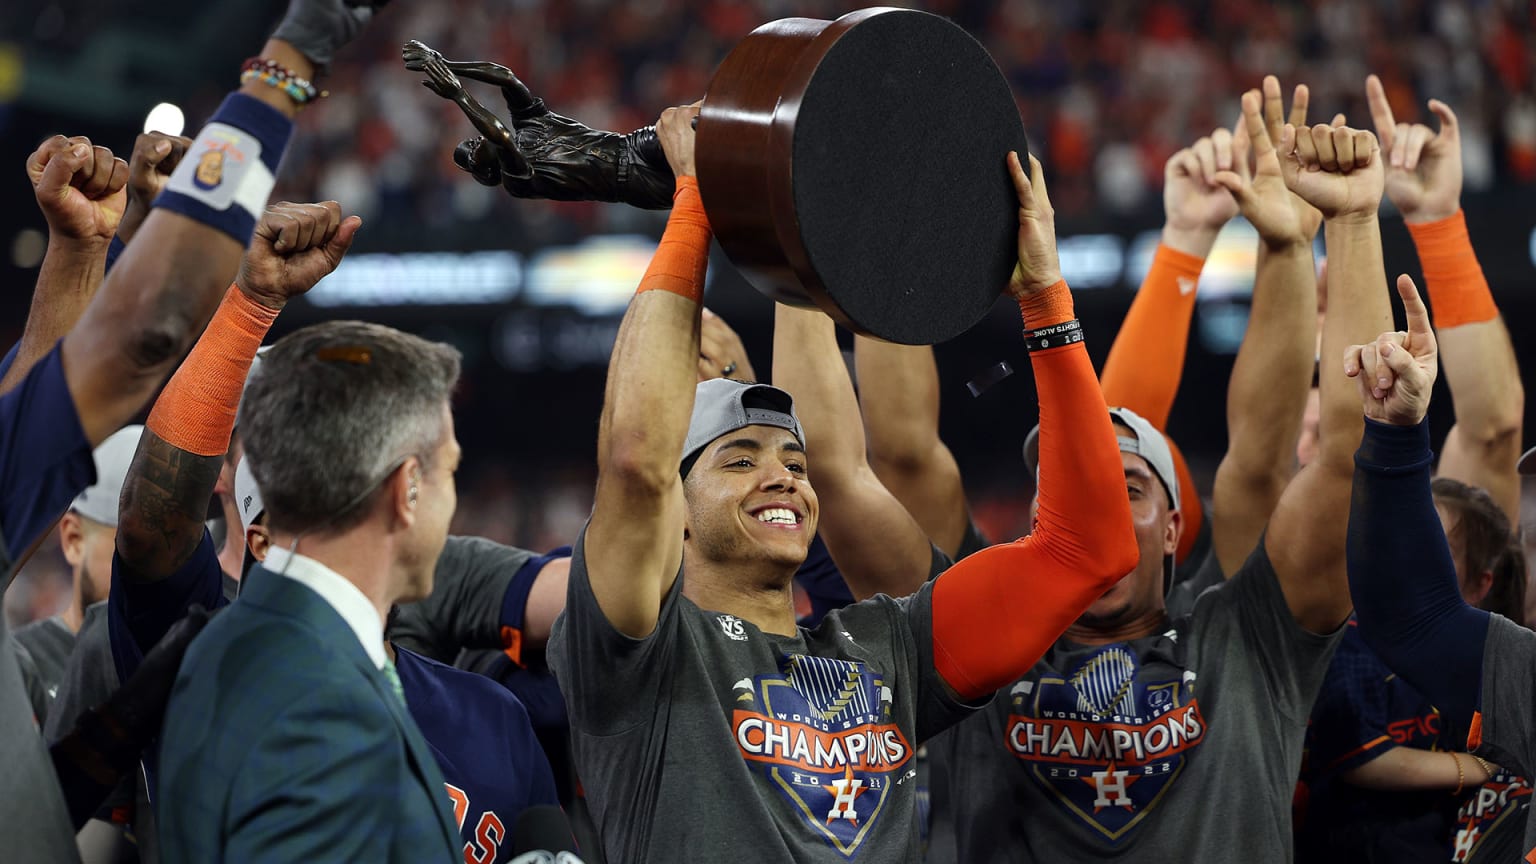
683	254
196	411
1458	291
1047	308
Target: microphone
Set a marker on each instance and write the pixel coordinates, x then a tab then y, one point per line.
542	835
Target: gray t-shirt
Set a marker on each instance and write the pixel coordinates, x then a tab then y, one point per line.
48	642
1509	704
1181	746
465	610
34	824
709	738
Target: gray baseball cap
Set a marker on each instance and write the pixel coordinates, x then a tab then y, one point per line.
247	496
98	502
721	405
1148	443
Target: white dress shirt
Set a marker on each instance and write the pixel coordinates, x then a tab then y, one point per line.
350	603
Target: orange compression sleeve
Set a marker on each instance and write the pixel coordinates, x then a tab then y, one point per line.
196	411
996	612
1458	292
683	254
1146	360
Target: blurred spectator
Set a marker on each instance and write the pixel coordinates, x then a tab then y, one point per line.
1107	89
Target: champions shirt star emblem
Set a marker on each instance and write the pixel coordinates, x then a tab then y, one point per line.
1106	743
820	732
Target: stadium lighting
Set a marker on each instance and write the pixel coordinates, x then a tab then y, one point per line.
166	118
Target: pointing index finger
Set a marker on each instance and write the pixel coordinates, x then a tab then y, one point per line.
1381	110
1413	304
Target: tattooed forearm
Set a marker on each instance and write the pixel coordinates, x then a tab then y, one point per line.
165	500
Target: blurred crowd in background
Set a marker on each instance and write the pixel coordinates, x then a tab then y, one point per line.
1108	89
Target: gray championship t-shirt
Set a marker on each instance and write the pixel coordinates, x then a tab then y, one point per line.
1509	709
711	740
48	642
1181	746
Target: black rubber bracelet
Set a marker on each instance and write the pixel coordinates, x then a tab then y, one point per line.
1053	337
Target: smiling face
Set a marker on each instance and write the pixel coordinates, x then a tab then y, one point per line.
748	499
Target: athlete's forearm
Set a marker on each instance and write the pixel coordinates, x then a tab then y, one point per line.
653	371
165	286
996	612
1409	769
1146	361
1266	398
66	282
1402	578
166	492
899	401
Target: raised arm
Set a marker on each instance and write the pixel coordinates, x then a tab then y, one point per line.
996	612
899	401
1424	182
634	541
1400	570
875	542
1266	396
1146	360
166	493
1338	170
79	188
155	155
166	285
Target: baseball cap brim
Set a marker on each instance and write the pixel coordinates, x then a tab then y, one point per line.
1527	463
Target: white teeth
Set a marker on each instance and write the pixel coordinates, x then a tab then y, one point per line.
778	516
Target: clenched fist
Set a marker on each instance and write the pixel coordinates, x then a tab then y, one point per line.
79	188
296	245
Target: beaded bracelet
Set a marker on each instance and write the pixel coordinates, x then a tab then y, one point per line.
1054	336
273	74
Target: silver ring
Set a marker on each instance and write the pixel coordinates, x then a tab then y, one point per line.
729	368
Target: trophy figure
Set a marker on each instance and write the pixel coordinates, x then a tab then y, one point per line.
544	155
857	165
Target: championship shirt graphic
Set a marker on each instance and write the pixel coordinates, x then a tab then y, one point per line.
1106	746
821	732
1499	799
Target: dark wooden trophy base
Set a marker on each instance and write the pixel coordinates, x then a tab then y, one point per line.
859	165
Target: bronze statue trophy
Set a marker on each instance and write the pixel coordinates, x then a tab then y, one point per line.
545	155
857	165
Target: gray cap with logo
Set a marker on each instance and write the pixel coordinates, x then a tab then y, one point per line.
1148	443
98	502
723	405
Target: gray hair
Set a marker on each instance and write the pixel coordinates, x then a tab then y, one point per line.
332	410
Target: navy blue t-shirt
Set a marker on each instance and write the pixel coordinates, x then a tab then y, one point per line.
1363	711
45	459
484	744
479	732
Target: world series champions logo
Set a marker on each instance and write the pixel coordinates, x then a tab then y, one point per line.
821	733
1107	746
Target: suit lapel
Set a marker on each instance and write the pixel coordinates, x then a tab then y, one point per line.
418	754
289	598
